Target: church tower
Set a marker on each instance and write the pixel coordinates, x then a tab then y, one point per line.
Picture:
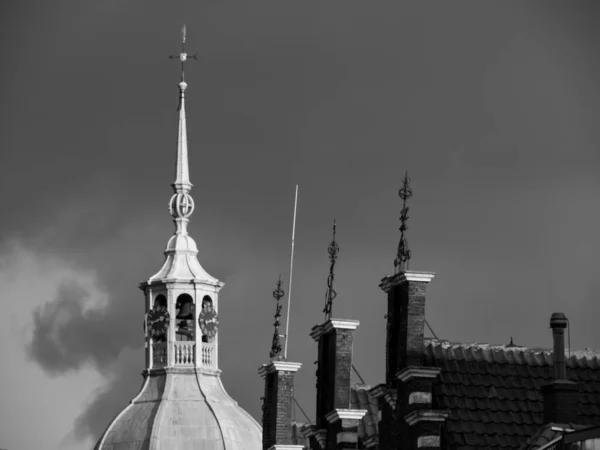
182	403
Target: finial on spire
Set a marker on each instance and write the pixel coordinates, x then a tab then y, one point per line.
183	56
276	345
333	251
403	255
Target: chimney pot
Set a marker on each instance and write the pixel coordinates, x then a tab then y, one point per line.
558	320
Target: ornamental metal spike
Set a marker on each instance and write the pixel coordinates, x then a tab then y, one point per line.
403	255
183	57
276	344
333	251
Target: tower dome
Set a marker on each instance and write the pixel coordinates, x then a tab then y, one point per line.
182	403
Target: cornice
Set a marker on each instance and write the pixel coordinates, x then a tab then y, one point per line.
403	277
278	366
339	414
418	372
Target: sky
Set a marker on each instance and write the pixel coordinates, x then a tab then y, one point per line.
490	107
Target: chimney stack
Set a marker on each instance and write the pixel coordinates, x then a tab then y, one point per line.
558	323
561	395
337	423
412	422
277	406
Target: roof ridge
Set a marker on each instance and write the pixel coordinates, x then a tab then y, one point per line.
577	353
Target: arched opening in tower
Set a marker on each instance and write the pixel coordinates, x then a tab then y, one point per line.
207	303
160	304
184	315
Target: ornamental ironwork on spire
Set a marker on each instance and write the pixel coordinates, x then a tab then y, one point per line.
330	295
403	255
276	344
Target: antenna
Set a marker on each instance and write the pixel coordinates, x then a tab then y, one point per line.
287	320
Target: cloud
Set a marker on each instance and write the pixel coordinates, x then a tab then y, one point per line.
112	397
66	334
30	280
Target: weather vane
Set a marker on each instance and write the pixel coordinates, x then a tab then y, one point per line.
403	255
333	251
183	56
276	345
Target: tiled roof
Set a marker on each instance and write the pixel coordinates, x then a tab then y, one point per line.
494	392
360	399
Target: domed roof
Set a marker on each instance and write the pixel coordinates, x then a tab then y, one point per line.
181	262
182	409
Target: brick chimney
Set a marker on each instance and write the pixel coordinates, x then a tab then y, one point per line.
277	406
412	423
336	423
561	395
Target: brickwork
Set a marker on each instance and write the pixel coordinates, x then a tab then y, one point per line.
387	426
392	340
561	399
405	327
325	378
343	368
278	402
404	350
342	434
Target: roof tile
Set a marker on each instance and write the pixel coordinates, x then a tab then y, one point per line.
494	392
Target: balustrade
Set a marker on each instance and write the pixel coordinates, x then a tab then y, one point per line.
208	355
184	353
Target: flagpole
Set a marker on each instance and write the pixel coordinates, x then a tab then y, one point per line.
287	321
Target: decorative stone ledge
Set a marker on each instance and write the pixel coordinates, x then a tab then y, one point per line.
181	371
333	324
321	438
340	414
379	390
402	277
286	447
428	441
388	394
308	431
418	372
421	415
347	437
278	366
420	398
372	441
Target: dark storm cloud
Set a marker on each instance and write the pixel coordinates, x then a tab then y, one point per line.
65	335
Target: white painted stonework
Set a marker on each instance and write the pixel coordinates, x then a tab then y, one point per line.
428	441
339	414
419	397
182	403
278	366
418	372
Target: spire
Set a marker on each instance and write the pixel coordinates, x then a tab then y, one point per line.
181	262
181	205
403	255
182	178
276	345
333	251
